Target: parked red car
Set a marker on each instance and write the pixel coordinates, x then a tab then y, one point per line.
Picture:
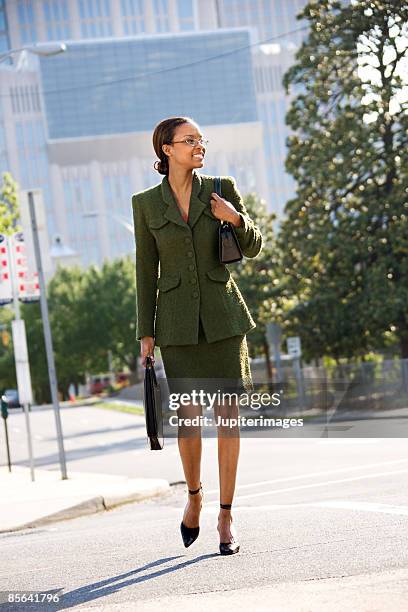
99	384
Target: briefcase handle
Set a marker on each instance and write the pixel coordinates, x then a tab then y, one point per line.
150	364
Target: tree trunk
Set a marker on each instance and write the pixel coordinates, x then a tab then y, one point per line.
403	338
268	361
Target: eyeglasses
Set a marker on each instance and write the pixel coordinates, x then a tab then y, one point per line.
192	142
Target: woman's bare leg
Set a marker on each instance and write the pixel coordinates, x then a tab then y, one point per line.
189	444
228	454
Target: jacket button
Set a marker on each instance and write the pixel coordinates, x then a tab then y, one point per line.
195	294
193	281
187	240
190	253
191	267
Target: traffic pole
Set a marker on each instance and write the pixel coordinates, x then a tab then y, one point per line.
4	414
47	337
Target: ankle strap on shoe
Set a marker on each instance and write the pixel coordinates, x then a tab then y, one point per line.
196	490
226	506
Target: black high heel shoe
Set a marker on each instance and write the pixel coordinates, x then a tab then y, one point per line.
228	548
190	534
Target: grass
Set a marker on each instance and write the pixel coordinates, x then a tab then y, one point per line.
120	407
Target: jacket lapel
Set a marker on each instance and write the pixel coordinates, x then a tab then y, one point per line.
172	212
197	205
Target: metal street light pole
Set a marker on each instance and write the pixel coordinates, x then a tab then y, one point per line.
47	337
44	50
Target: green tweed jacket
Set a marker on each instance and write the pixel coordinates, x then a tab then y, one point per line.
178	273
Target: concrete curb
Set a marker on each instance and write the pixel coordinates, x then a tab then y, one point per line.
49	499
89	506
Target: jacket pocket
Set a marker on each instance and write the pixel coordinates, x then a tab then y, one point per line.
158	223
220	274
168	281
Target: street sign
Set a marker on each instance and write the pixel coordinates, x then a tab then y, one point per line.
6	284
293	346
25	395
27	285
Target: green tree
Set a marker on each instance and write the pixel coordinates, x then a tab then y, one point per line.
9	213
7	369
91	312
258	278
345	234
109	312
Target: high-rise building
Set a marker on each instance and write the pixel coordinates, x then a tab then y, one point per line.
100	123
61	122
80	125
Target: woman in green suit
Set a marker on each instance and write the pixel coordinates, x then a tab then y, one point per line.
193	310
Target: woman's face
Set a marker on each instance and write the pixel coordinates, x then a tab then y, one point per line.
187	155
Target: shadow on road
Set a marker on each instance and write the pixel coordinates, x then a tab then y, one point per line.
111	585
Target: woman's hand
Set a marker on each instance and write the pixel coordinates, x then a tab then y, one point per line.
146	348
224	210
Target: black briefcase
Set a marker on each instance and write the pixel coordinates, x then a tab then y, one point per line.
152	407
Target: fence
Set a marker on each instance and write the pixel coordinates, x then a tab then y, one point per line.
365	386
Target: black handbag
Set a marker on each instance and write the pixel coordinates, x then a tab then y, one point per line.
229	248
152	407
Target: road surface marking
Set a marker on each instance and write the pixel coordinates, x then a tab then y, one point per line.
365	506
345	505
314	484
313	474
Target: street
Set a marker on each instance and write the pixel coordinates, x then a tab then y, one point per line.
308	512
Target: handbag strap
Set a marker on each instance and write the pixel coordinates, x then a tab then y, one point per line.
218	191
217	185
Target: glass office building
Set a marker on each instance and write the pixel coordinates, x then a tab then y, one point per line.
271	18
276	34
4	38
102	99
128	85
129	64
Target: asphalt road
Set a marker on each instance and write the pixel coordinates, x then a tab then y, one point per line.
323	525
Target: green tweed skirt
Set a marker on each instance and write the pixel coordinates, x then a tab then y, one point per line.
223	364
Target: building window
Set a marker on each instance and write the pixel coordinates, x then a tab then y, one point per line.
32	154
25	99
35	98
132	16
117	188
56	17
95	18
82	229
270	18
4	41
4	44
33	162
3	152
185	10
26	20
161	11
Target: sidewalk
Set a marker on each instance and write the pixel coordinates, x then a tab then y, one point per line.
24	503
